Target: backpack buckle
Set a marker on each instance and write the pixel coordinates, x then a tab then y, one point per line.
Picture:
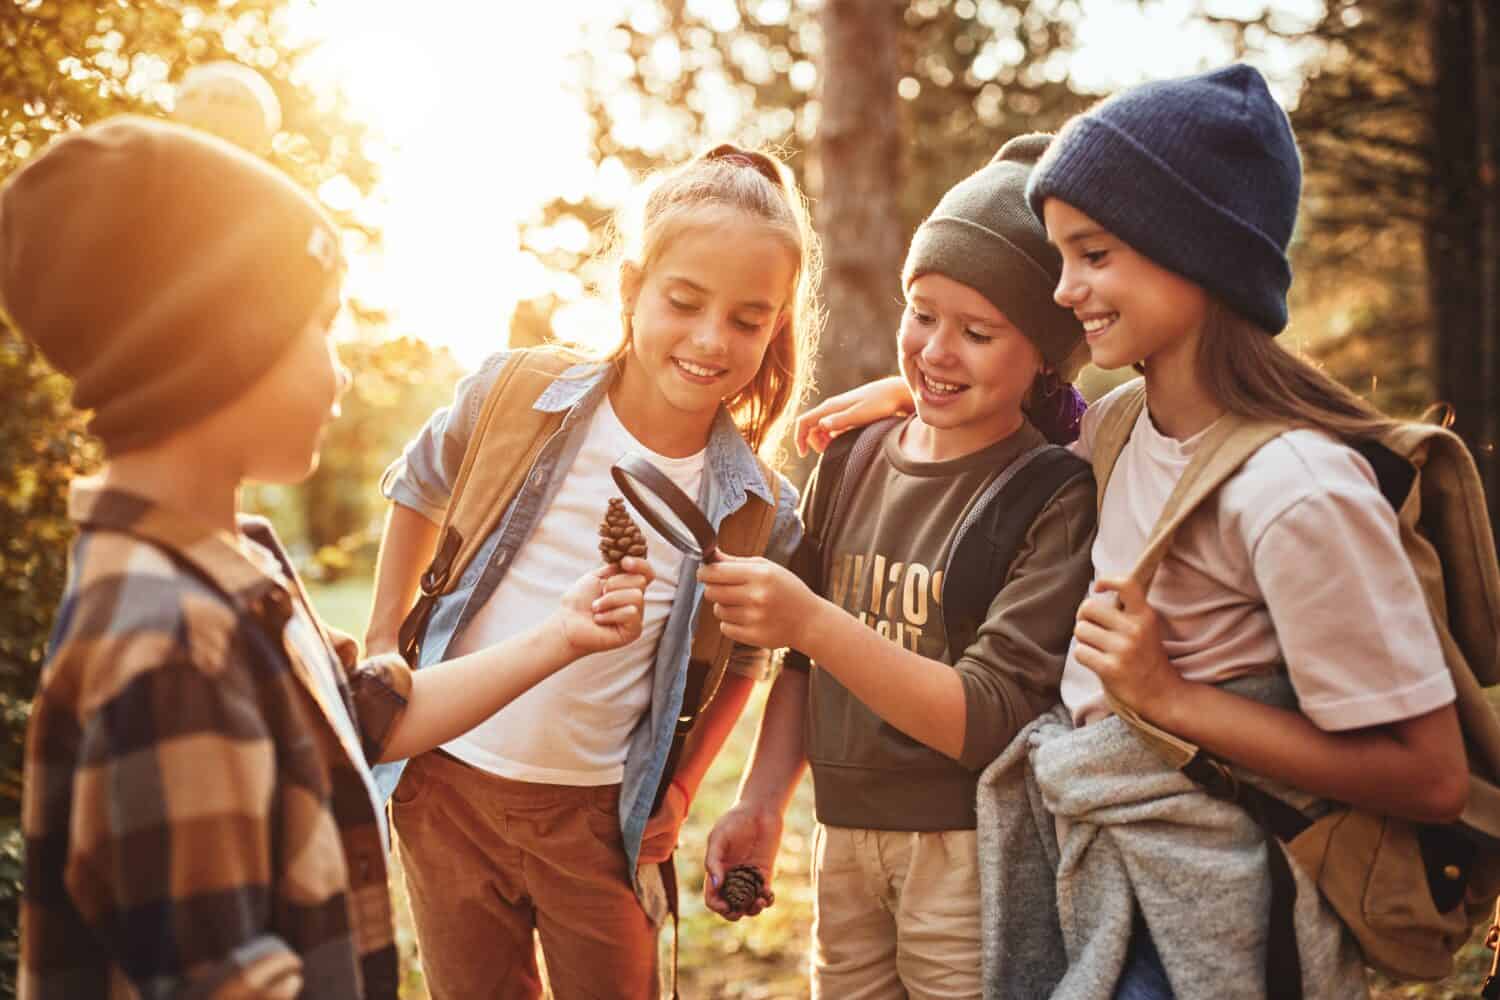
1215	779
436	576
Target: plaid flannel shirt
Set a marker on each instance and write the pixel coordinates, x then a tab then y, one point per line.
193	824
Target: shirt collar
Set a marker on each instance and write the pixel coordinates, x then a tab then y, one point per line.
581	383
213	552
736	472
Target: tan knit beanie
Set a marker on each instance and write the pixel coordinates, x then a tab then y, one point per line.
161	268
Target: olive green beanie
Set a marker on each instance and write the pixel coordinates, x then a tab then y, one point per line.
163	269
984	235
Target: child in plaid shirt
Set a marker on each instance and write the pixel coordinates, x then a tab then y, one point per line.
199	813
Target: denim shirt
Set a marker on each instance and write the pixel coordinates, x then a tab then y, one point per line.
422	478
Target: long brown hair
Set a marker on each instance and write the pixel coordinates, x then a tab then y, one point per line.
758	185
1253	376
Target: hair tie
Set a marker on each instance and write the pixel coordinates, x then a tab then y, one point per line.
758	162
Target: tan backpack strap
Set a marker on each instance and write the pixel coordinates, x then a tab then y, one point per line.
505	442
1226	446
1115	420
746	532
501	452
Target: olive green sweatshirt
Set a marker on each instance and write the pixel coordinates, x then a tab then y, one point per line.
887	557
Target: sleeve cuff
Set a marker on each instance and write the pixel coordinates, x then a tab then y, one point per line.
395	488
1383	708
264	967
381	687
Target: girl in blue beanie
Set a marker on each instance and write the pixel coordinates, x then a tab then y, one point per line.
1172	204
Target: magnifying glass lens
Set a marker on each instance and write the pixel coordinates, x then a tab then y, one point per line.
663	505
663	519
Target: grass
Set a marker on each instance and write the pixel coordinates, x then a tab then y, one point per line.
765	958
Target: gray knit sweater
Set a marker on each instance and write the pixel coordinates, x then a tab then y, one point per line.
1078	827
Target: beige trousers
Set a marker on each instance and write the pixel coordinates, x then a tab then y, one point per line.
897	915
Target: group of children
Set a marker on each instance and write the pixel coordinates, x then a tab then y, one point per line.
203	814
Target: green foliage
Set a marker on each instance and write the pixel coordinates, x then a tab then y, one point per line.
12	868
70	62
43	445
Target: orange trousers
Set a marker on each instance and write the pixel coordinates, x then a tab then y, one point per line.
488	859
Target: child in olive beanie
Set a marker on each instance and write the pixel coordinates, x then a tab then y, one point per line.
981	235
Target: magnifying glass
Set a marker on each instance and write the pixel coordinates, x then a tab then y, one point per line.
665	507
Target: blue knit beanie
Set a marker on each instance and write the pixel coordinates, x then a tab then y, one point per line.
1201	174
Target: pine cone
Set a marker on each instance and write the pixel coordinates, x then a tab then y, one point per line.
742	886
619	536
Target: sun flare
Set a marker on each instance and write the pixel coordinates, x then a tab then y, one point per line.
475	126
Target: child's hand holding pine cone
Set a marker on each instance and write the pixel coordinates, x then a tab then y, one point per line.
605	609
743	884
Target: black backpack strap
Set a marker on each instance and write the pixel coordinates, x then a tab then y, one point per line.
993	531
842	466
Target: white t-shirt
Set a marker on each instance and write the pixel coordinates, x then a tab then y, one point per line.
1297	559
574	727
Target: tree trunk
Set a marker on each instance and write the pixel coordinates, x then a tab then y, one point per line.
858	206
1462	239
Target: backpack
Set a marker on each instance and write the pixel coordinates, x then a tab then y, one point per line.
507	439
990	533
1409	892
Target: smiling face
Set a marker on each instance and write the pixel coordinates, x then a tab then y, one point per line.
968	367
702	316
1132	309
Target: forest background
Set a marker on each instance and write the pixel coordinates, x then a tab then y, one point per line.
879	105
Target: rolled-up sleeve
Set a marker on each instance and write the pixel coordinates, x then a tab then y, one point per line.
422	476
381	690
786	535
1011	671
